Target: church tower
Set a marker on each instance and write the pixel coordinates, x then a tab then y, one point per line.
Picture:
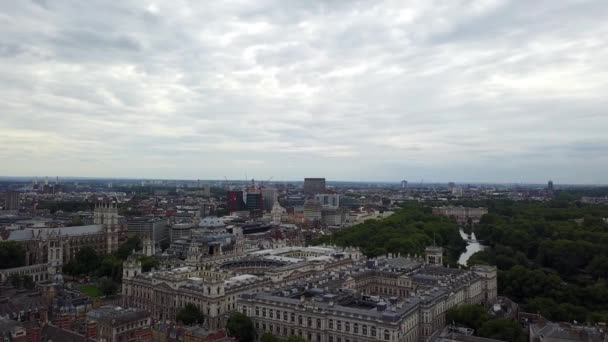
106	214
434	255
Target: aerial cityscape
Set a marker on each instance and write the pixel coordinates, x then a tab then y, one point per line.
303	171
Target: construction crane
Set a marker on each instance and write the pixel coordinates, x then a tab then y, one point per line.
266	181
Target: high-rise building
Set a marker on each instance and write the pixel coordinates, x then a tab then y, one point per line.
312	210
269	196
451	186
254	201
328	200
12	200
314	185
235	201
155	228
550	185
403	184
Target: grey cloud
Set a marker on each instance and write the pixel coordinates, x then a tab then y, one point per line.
491	90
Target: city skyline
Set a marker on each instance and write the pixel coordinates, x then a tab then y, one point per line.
476	91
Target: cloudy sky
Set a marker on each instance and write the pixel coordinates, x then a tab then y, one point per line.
488	90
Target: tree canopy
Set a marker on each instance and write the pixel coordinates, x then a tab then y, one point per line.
552	256
12	255
408	231
190	314
241	327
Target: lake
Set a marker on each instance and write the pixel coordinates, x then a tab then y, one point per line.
473	246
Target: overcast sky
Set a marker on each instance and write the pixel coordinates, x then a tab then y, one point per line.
489	91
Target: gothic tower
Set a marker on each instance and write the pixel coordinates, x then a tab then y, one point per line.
106	214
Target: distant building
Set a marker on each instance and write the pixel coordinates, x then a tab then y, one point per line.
269	197
235	201
328	200
462	214
314	186
312	210
155	227
254	201
115	324
451	186
332	216
550	185
179	230
543	331
12	200
403	184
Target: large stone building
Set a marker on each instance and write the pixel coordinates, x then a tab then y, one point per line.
115	324
463	215
396	299
213	283
48	249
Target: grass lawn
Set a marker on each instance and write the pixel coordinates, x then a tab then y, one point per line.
91	290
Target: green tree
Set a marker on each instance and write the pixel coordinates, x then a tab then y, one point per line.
148	263
469	315
502	329
132	244
12	255
241	327
268	337
87	261
296	339
190	314
107	286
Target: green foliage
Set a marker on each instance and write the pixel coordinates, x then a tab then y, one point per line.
472	316
296	339
549	259
86	262
408	231
108	286
148	263
91	290
12	255
190	314
15	280
268	337
132	244
502	329
66	206
28	282
241	327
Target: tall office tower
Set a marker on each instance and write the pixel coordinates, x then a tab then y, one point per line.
314	185
550	185
12	200
328	200
269	196
254	201
403	184
235	201
451	186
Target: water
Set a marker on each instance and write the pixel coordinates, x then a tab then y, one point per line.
473	246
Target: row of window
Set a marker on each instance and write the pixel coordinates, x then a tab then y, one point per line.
291	317
292	332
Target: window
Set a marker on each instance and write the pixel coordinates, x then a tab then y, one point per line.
263	312
293	317
309	321
364	328
293	332
331	324
339	325
356	328
300	319
271	313
257	311
387	335
330	338
271	328
347	326
285	315
264	326
318	323
284	330
257	325
338	339
373	331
